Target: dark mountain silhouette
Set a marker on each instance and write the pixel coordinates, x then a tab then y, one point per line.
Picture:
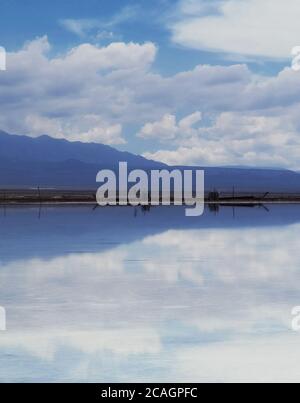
45	148
49	162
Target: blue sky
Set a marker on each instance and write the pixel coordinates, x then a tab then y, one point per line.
146	21
186	81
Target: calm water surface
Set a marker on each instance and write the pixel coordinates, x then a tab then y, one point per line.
121	295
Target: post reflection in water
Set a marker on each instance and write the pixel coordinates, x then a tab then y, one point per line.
120	294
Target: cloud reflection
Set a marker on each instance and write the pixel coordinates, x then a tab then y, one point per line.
199	304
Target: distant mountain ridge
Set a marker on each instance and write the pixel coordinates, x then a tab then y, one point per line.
48	162
45	148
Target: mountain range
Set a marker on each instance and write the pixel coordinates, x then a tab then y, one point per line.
57	163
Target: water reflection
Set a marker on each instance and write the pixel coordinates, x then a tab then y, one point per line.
119	295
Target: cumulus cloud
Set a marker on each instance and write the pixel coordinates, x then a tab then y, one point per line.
167	128
57	95
98	93
74	95
264	28
237	138
93	129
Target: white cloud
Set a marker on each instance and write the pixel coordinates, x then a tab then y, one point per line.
94	27
74	95
94	93
264	28
167	128
235	138
56	95
190	120
117	55
107	135
78	26
97	131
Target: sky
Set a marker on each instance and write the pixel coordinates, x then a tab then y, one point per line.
195	82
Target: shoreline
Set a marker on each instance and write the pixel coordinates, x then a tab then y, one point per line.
60	197
232	203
